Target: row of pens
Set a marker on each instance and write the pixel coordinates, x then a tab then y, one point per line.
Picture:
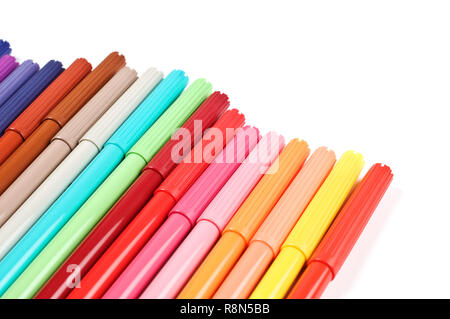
101	199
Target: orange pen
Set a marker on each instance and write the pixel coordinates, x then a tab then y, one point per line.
267	241
245	222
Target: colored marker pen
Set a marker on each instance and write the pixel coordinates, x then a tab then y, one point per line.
182	217
63	143
310	228
107	230
236	235
264	245
7	65
338	242
30	119
88	147
19	160
90	212
142	227
175	273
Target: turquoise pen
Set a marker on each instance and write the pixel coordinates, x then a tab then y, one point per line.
114	150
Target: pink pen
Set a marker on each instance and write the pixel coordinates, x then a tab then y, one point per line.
178	269
182	217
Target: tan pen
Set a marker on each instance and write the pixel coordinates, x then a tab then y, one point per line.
63	143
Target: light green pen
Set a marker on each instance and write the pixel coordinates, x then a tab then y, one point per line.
71	235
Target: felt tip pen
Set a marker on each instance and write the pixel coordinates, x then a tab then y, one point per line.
23	97
267	240
19	160
88	147
107	230
142	227
177	270
7	65
237	234
309	230
182	217
30	119
37	141
16	79
4	48
102	199
63	143
343	234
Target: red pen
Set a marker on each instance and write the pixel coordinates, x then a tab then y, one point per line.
106	270
107	230
334	248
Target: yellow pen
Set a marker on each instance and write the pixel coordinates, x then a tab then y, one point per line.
310	228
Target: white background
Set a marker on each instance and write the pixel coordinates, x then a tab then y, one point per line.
372	76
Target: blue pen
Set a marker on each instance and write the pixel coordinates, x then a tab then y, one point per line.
16	79
26	94
4	48
23	253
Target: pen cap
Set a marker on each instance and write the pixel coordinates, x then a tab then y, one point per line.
7	65
16	79
324	206
154	104
289	208
269	190
353	217
28	92
83	92
158	134
101	131
241	183
197	198
207	113
4	48
52	95
94	109
186	173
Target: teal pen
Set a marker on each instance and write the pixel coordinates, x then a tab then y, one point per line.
114	150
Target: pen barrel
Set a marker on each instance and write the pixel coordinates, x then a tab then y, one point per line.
312	282
150	259
245	275
9	142
178	269
216	266
26	153
27	182
280	275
